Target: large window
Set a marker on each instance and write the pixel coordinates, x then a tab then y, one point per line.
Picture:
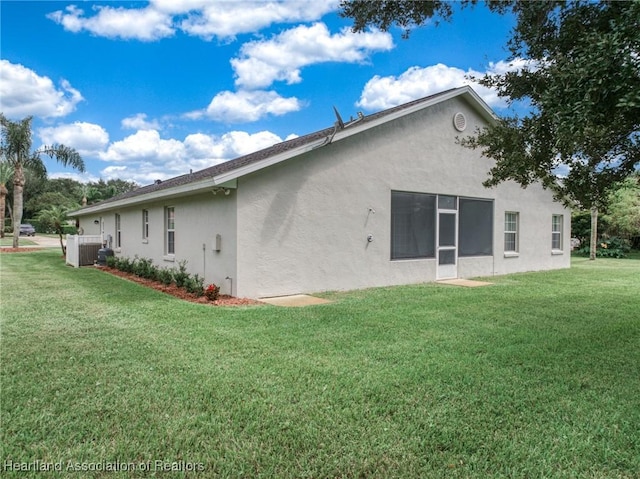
118	232
413	225
475	233
170	243
511	232
145	224
556	232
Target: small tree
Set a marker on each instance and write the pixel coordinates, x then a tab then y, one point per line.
623	215
54	217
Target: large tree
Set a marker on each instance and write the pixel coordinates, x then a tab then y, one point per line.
6	172
17	149
581	137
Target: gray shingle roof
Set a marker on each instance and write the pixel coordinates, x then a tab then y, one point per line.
257	156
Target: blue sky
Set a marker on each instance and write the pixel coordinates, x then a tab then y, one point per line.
150	90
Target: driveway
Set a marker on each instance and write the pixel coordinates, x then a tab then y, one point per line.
39	240
47	241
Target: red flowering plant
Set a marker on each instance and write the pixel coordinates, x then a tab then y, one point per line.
211	292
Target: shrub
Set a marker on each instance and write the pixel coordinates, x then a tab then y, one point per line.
69	230
124	264
144	268
613	247
180	276
165	276
212	292
195	285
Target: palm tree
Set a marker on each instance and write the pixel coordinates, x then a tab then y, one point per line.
54	217
6	172
16	148
89	193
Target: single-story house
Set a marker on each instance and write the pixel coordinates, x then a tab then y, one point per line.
384	199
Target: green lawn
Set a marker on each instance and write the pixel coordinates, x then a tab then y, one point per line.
8	241
536	376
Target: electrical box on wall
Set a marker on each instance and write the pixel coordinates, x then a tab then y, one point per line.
217	245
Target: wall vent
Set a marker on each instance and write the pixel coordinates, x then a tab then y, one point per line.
460	121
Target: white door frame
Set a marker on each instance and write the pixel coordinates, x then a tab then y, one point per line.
447	244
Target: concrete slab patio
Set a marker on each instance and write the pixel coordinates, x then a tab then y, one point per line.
295	300
468	283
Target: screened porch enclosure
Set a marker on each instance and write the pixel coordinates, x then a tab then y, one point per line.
440	227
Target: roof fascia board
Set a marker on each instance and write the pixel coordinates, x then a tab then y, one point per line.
182	190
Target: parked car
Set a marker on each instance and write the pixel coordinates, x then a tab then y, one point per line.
27	230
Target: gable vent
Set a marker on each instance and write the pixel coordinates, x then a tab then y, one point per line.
460	121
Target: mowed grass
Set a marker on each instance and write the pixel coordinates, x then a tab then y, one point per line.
8	241
535	376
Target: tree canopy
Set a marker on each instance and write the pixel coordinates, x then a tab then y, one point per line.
581	137
15	147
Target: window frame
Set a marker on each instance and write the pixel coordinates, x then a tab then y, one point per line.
118	230
145	225
463	236
170	231
557	233
512	234
398	237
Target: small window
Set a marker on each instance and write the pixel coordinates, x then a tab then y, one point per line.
413	225
556	232
118	232
511	232
447	202
145	224
170	245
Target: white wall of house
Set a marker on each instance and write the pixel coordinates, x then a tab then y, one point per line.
198	220
303	224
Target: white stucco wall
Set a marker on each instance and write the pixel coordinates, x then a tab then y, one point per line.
198	219
303	224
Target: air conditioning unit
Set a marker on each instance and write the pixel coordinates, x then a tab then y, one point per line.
88	253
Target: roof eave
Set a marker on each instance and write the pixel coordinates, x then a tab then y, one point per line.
174	192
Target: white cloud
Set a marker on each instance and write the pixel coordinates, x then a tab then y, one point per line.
139	122
227	19
89	139
385	92
203	18
23	92
281	58
232	144
246	106
80	177
145	157
144	24
142	145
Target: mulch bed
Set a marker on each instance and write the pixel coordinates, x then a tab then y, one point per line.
173	290
181	293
